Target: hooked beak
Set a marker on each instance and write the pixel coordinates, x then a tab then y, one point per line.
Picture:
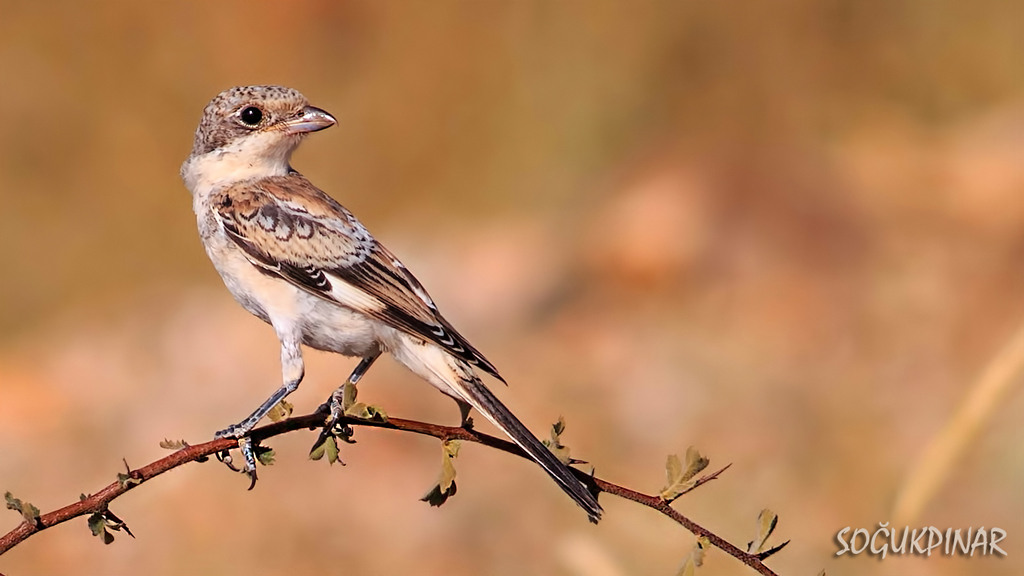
310	120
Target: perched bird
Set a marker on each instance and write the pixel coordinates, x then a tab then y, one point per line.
294	257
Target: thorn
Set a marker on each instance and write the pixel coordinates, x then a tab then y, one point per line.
133	474
768	553
116	523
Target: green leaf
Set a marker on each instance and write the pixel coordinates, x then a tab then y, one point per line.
319	449
101	521
264	455
97	524
445	487
367	412
766	522
680	480
358	409
280	411
555	443
348	395
28	511
327	447
332	451
173	444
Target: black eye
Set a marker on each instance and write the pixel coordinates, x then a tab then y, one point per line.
251	116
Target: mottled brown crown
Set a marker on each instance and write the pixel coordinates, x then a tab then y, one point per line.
220	125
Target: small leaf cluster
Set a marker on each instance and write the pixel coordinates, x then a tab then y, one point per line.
680	479
264	454
179	445
27	510
359	410
766	522
173	444
327	443
280	411
103	521
555	443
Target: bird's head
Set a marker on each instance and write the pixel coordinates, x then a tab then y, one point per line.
250	131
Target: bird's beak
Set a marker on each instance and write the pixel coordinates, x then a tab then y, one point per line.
310	120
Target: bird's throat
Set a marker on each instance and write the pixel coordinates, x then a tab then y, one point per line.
243	160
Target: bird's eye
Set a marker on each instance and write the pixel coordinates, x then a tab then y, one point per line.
251	116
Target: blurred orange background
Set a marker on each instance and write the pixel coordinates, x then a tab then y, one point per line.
790	234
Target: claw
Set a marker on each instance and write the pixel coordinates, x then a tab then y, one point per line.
225	457
245	446
334	427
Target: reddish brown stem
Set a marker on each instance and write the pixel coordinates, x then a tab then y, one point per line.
97	502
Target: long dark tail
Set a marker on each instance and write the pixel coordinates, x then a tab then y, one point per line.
476	393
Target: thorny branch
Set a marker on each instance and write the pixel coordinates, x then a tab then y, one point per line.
97	503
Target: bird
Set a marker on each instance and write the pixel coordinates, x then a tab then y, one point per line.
297	259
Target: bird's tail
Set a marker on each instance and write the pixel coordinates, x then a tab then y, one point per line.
474	391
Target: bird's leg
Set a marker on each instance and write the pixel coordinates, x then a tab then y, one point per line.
335	401
464	408
292	370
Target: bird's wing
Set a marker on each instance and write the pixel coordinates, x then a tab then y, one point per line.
288	228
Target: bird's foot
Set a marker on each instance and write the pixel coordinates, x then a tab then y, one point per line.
334	424
334	427
245	446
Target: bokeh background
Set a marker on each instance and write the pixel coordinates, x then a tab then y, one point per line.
790	234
